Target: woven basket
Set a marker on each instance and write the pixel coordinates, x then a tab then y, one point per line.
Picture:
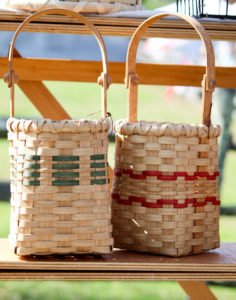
165	190
59	177
79	6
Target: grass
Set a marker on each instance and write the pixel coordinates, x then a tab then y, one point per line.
104	291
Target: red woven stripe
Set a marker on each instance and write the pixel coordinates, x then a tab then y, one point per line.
167	201
160	202
151	173
161	176
189	200
167	177
181	205
210	199
201	174
180	174
190	178
137	176
115	196
128	172
211	177
125	202
117	173
137	199
217	202
152	205
197	204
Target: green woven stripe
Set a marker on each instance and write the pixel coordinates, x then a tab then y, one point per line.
98	173
31	174
65	158
97	165
32	157
98	181
31	166
65	174
31	182
65	166
97	156
65	182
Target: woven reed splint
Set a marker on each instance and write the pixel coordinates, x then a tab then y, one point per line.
59	176
79	6
165	189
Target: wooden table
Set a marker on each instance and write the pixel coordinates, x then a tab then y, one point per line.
190	272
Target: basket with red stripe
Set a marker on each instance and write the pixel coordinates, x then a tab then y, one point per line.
165	190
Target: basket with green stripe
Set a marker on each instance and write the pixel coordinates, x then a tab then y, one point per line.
59	177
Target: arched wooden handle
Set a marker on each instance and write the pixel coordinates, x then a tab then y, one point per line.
104	79
131	77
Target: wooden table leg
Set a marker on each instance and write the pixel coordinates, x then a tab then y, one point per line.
197	290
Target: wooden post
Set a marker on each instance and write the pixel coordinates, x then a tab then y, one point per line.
197	290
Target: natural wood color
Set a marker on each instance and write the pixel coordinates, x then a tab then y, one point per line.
225	77
47	105
197	290
88	71
122	265
131	72
37	90
217	29
92	30
216	263
111	174
111	276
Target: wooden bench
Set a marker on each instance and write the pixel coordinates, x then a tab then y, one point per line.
190	272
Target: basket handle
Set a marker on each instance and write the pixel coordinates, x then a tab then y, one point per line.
104	80
131	77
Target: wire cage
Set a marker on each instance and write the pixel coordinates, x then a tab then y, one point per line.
223	9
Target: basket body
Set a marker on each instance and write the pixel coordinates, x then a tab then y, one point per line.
165	190
60	201
79	6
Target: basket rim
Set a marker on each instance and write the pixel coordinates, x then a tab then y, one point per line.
124	127
50	126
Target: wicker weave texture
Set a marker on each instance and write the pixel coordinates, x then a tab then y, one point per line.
165	190
59	187
79	6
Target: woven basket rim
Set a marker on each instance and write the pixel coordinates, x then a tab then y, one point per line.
123	127
50	126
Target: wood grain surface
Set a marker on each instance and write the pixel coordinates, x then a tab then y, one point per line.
219	262
174	28
88	71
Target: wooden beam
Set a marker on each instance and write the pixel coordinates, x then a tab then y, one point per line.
169	27
43	100
88	71
197	290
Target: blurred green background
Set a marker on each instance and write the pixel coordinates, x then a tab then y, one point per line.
81	100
